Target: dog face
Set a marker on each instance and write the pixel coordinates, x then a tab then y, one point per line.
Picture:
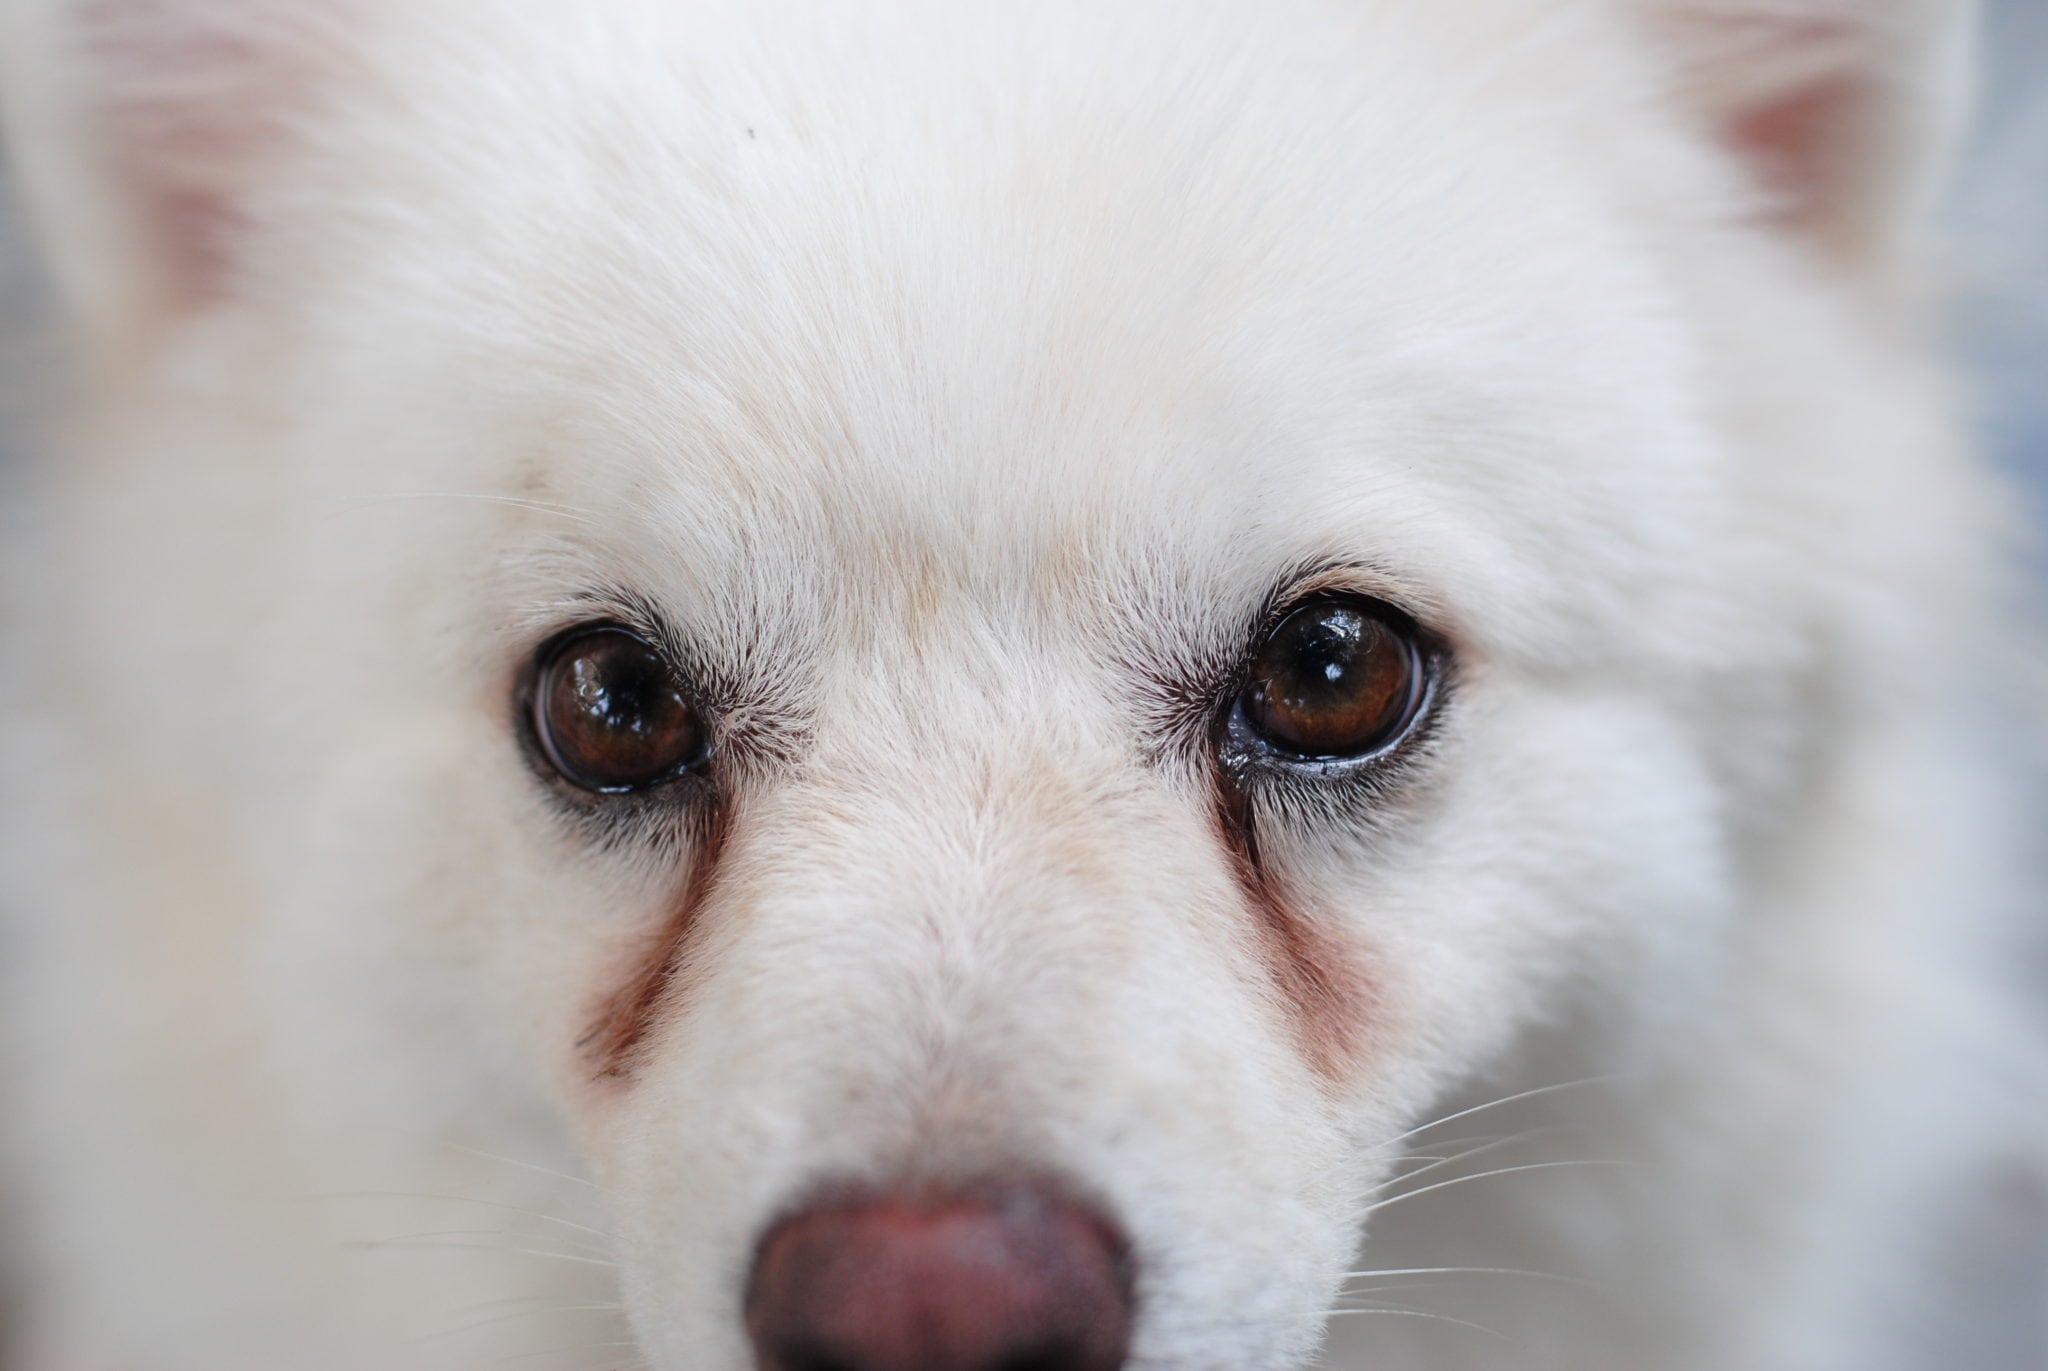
915	614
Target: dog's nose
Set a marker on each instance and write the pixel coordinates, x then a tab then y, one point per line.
1005	1277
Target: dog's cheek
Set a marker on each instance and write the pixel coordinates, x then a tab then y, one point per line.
436	926
1576	846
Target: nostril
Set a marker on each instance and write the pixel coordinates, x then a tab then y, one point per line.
1048	1360
998	1277
799	1358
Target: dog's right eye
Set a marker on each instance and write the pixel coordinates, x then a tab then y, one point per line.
1339	679
609	714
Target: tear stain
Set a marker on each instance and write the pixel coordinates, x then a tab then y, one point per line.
1325	991
623	1022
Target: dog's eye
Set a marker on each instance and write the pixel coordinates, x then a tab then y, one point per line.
609	715
1337	678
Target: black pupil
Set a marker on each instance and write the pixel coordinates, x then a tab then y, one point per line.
1325	648
610	713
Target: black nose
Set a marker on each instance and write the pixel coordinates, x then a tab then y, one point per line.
1002	1277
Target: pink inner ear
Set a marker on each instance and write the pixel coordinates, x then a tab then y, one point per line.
185	113
199	234
1803	148
1834	107
194	232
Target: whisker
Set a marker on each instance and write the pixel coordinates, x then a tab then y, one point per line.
480	1305
464	1199
366	1244
1483	1147
1399	1311
1503	1100
585	1249
526	1166
1393	1200
570	512
496	1319
1348	1299
1466	1271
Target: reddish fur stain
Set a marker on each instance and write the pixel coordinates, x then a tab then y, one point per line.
619	1028
1326	992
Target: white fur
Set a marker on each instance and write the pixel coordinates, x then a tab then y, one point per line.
935	365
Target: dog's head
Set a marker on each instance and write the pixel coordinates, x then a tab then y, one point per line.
989	648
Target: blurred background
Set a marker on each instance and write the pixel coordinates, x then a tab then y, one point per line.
1997	274
1998	245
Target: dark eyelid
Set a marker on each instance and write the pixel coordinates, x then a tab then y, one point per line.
1348	579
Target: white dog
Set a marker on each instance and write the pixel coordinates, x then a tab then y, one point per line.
943	686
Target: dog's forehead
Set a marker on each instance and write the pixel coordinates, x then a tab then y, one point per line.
1048	328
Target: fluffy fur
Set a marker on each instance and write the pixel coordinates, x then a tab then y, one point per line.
946	378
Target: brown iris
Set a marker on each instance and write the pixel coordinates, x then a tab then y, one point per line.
609	714
1336	678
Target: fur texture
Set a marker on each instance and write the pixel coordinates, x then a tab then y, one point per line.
952	384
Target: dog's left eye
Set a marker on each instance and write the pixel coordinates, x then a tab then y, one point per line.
609	714
1337	679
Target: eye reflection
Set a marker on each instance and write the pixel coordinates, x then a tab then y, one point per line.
610	715
1337	678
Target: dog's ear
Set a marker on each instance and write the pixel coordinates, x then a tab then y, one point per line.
142	129
1842	110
